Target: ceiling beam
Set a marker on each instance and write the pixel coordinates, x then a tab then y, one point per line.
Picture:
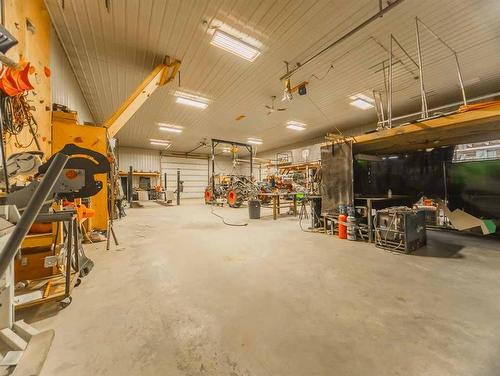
160	76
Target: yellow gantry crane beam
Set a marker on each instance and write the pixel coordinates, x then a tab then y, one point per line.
160	76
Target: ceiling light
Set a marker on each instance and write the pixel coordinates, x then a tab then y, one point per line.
173	130
156	142
170	128
191	100
255	141
226	150
234	45
296	126
362	101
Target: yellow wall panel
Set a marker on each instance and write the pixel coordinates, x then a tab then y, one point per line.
90	137
33	47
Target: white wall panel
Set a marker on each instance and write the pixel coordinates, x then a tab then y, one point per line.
142	160
65	88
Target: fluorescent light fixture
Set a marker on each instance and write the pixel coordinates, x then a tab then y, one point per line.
191	100
362	101
226	150
170	128
163	141
156	142
296	126
234	45
173	130
254	141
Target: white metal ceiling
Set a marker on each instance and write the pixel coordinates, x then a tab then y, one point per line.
111	53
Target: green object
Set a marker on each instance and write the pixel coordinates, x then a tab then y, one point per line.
490	225
474	186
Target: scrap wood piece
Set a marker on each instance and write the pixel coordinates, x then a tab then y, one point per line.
462	221
47	289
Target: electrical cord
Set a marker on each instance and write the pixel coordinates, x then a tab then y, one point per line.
16	115
324	76
324	115
224	220
378	234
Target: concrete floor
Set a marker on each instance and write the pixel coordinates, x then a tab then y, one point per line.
186	295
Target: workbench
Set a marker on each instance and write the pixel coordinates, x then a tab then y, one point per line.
279	201
330	220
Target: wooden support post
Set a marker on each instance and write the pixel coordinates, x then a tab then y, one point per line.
160	76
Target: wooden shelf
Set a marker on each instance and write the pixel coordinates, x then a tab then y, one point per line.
123	173
475	125
299	166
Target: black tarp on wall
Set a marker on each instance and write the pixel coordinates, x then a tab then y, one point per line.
415	174
472	186
337	176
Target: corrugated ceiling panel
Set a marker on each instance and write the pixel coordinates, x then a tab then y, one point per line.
113	52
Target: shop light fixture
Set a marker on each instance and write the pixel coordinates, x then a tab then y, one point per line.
234	45
170	128
191	100
362	101
254	141
156	142
296	126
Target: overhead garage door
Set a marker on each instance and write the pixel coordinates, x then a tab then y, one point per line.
194	173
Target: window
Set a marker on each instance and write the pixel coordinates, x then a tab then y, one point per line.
477	151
